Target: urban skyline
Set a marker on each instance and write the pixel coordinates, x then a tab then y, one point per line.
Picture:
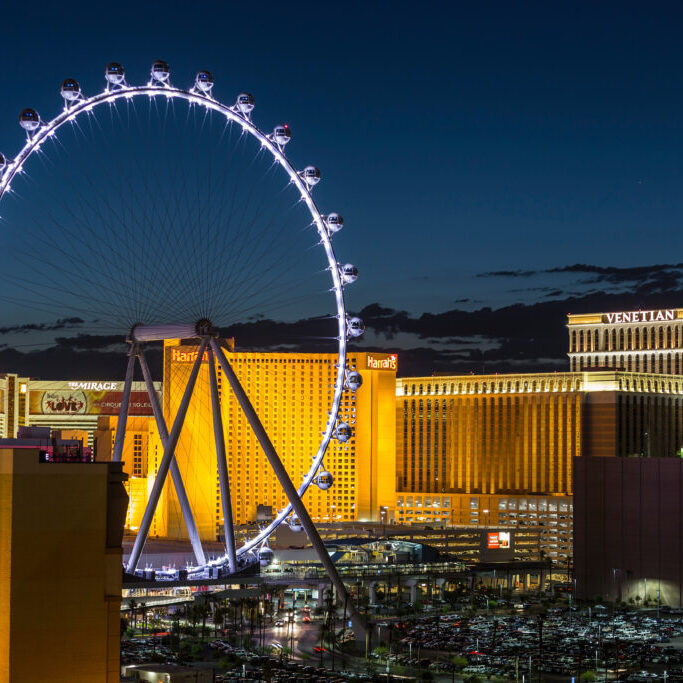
341	342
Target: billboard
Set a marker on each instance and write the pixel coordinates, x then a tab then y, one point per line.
65	400
499	540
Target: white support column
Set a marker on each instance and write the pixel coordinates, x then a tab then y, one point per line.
117	452
372	590
223	479
359	625
166	460
412	584
177	478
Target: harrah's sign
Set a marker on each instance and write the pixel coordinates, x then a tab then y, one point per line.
180	356
639	316
384	363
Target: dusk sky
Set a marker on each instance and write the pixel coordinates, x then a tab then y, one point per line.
524	155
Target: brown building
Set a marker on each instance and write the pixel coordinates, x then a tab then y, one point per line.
628	537
61	526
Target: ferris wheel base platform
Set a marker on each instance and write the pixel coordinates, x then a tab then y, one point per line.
148	579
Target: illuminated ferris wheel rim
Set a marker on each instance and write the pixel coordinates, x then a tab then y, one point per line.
76	104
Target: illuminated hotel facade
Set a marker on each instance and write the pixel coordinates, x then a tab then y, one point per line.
489	450
291	392
497	450
483	450
635	341
13	404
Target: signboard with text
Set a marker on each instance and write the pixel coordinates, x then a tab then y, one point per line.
382	361
639	316
68	401
499	540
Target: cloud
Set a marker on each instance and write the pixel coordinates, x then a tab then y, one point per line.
665	276
90	342
59	363
60	324
510	273
521	337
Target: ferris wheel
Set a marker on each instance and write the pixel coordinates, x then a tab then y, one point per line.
152	212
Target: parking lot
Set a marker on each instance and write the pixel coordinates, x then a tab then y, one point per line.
625	644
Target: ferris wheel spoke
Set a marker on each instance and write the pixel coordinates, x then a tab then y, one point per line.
48	235
171	208
111	253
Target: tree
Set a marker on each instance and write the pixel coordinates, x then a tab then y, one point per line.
459	663
124	625
381	652
203	612
371	669
588	676
219	615
143	608
132	607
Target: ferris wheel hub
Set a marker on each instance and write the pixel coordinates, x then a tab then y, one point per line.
146	333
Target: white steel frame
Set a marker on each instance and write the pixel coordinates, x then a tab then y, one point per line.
85	106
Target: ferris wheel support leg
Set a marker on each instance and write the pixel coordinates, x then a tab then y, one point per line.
165	464
359	625
117	451
177	478
223	479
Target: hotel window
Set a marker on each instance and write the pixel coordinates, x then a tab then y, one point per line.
137	455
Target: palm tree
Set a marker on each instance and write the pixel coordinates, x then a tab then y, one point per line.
204	611
218	619
143	608
132	606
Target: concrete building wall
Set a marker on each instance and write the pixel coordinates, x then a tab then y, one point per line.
628	528
60	569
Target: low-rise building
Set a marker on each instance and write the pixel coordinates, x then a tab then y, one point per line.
61	527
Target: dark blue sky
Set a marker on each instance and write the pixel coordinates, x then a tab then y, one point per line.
456	138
